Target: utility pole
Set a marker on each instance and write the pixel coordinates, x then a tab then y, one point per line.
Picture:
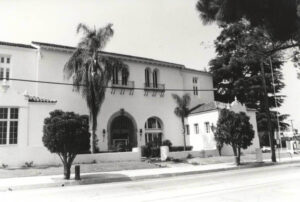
277	113
267	110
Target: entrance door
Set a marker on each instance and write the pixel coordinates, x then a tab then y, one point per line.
122	135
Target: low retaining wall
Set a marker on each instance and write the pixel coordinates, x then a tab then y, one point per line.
108	157
201	154
15	156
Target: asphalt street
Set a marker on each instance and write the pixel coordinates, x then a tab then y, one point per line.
273	183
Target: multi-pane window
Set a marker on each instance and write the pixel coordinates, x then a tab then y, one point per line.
115	75
195	90
155	74
4	67
195	79
9	125
196	127
153	131
147	77
187	129
207	128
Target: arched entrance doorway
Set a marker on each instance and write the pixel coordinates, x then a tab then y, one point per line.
122	132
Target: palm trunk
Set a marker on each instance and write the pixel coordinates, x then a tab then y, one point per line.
183	129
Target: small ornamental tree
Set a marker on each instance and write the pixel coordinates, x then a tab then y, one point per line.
66	134
234	129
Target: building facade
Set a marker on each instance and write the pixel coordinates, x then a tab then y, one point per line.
137	108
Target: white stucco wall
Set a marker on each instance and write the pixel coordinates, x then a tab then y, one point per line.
203	140
23	65
47	65
204	82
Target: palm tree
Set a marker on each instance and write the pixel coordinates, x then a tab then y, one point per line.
182	111
92	71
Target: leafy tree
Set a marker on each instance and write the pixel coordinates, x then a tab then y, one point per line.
91	71
235	130
66	134
280	18
182	111
237	73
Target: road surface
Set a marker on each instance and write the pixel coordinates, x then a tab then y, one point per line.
277	183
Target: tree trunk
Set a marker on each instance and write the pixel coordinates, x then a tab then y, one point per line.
183	129
267	110
67	170
236	158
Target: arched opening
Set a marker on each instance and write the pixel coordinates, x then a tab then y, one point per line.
147	77
122	132
155	78
124	76
115	75
154	131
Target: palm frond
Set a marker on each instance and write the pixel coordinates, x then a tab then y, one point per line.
83	27
103	35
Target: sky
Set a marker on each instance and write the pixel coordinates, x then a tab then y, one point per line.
168	30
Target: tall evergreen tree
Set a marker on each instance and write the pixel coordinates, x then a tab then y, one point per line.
236	70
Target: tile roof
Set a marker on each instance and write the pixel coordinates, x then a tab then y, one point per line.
212	106
41	100
16	45
207	107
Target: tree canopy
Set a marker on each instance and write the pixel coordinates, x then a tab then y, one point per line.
280	18
234	129
236	70
66	134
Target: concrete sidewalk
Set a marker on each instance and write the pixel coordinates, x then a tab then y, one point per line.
10	184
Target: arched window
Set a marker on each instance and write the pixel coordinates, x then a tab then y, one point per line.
153	131
115	75
147	77
155	78
124	76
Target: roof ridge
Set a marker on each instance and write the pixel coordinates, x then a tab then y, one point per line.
110	53
5	43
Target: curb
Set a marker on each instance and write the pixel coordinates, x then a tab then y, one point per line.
62	183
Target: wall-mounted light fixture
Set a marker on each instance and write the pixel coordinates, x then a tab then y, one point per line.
103	134
141	134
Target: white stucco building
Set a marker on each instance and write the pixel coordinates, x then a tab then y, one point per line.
131	116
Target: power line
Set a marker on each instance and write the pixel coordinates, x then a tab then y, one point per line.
109	87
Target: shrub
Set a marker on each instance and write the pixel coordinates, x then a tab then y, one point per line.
66	134
180	148
189	156
150	150
28	164
167	143
4	165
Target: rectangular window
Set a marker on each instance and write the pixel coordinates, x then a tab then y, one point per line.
207	128
7	74
5	67
187	129
195	89
9	125
196	127
1	73
195	79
